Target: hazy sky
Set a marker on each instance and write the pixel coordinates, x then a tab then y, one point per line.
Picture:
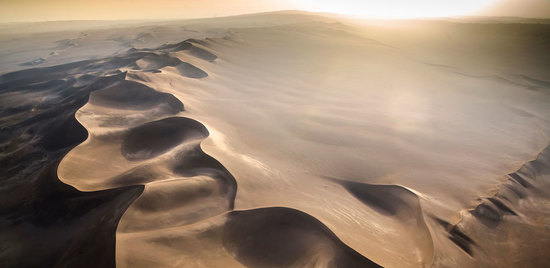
42	10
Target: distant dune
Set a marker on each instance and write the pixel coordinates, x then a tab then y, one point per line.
284	139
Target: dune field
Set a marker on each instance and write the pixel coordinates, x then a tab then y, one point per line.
283	139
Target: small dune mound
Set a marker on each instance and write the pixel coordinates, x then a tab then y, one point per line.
190	48
134	96
202	53
390	200
154	138
491	212
155	61
176	47
399	202
284	237
189	70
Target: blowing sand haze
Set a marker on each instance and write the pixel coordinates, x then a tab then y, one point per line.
278	139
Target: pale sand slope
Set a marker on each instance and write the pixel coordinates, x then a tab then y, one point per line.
316	143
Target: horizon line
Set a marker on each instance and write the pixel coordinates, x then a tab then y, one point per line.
304	12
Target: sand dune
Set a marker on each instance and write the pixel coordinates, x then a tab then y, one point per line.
134	96
189	186
282	237
396	201
60	225
154	138
279	140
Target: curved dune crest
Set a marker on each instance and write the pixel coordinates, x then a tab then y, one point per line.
153	138
284	237
184	45
175	203
399	202
183	185
65	132
189	70
197	49
202	53
60	225
136	96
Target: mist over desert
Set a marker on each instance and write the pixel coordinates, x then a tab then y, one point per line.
277	139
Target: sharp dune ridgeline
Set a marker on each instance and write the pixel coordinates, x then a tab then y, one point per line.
284	139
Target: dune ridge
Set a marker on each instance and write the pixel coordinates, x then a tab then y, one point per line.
159	149
399	202
510	199
59	224
39	126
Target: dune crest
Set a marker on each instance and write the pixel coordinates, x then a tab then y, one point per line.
145	140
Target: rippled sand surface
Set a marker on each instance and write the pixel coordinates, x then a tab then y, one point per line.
276	140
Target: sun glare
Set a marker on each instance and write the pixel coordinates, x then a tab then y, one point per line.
395	8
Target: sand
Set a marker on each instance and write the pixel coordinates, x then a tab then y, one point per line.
283	139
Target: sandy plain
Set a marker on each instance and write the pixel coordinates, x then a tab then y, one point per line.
284	139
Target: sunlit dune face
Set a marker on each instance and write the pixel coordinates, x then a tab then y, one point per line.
395	8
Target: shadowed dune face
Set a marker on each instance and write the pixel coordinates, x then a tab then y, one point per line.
389	200
154	138
190	71
399	202
134	96
154	61
185	45
283	237
457	236
63	133
202	53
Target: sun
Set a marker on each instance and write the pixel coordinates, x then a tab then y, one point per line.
395	8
